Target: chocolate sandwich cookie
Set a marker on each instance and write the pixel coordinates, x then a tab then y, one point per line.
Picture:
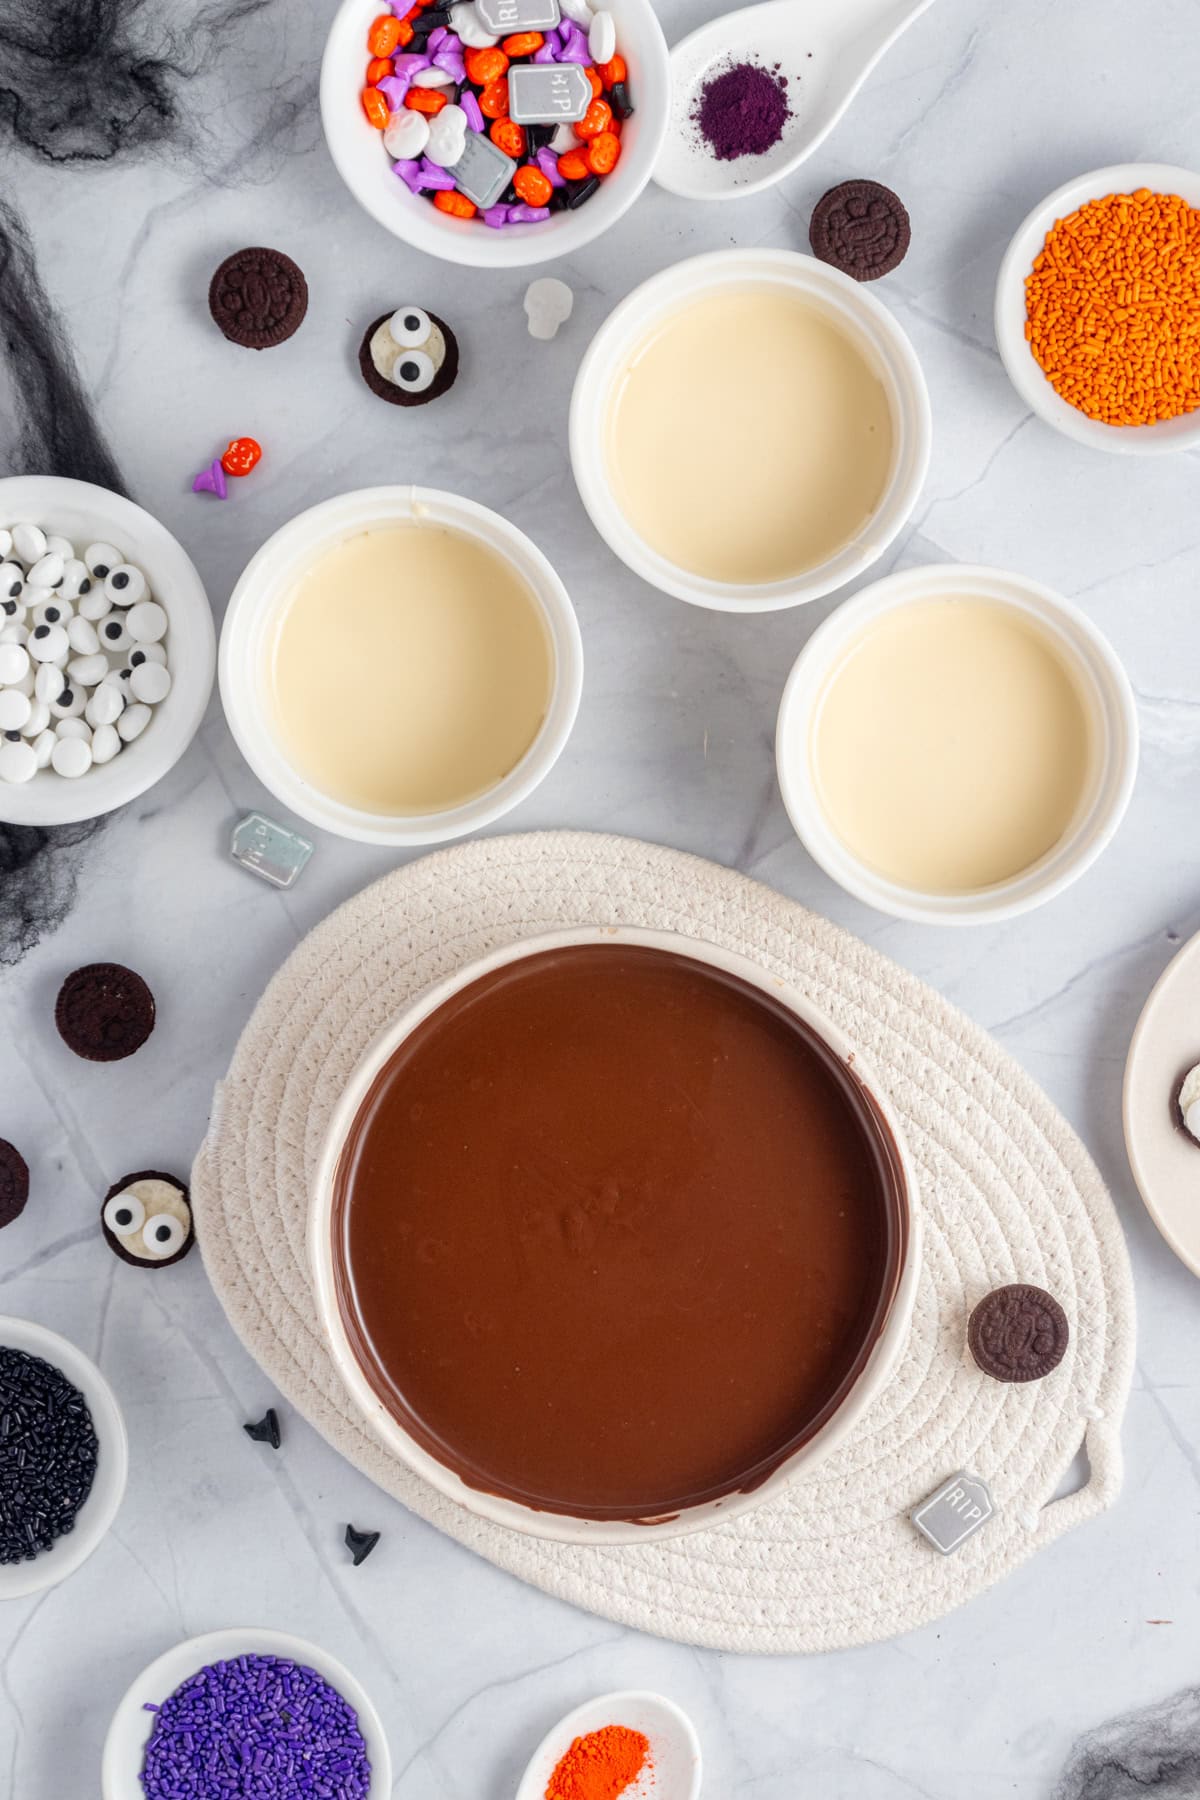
104	1012
14	1182
147	1219
861	228
1018	1333
409	357
258	297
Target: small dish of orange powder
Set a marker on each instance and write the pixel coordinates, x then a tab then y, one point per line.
632	1745
1098	309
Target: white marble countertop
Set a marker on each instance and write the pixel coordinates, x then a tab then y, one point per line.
198	133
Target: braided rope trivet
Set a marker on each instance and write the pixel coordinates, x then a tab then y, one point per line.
1008	1193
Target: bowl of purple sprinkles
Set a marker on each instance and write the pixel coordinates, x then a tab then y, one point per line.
64	1457
256	1714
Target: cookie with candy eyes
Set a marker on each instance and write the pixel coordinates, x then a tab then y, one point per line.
147	1219
409	357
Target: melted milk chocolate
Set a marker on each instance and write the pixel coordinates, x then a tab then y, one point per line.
614	1233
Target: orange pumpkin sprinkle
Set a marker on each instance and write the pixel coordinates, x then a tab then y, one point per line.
1113	308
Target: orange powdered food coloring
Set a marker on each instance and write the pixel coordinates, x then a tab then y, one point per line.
1113	308
600	1766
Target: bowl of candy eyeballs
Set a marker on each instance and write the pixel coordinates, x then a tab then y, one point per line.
107	650
496	133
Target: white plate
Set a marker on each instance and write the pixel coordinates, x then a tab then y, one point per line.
1023	371
1164	1159
112	1466
674	1767
125	1745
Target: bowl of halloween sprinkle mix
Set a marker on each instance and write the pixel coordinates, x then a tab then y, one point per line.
1098	309
64	1457
496	133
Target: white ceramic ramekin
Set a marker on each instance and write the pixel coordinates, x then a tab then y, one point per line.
253	613
366	168
112	1463
129	1732
1111	705
87	514
869	325
1024	372
874	1376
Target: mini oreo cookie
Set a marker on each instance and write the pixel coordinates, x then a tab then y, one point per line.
861	228
14	1183
104	1012
1018	1333
258	297
146	1219
427	347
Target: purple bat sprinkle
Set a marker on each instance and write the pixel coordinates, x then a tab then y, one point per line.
470	106
409	64
393	88
407	169
433	177
436	39
495	216
548	52
257	1727
547	162
451	62
527	215
575	47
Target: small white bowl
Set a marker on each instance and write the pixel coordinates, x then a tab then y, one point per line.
1024	372
859	314
1103	681
129	1733
876	1371
88	514
366	168
675	1767
112	1464
264	587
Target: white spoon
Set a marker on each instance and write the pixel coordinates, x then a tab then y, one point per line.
674	1763
826	48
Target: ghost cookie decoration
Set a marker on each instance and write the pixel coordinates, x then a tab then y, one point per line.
409	357
147	1220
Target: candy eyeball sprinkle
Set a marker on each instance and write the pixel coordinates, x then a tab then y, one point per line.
413	371
162	1235
410	326
125	585
53	612
12	581
124	1214
100	558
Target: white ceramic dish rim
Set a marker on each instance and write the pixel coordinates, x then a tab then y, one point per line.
80	509
640	1709
1114	711
255	603
560	1528
98	1511
1140	1046
870	326
707	43
1026	376
131	1725
467	242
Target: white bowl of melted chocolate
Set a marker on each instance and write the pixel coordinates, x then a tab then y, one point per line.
750	430
613	1236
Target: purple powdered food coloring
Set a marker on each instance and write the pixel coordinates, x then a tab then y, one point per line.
255	1728
742	111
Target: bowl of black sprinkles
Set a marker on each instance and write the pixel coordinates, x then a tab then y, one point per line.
64	1457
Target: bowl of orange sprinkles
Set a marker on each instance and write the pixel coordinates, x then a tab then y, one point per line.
1098	309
